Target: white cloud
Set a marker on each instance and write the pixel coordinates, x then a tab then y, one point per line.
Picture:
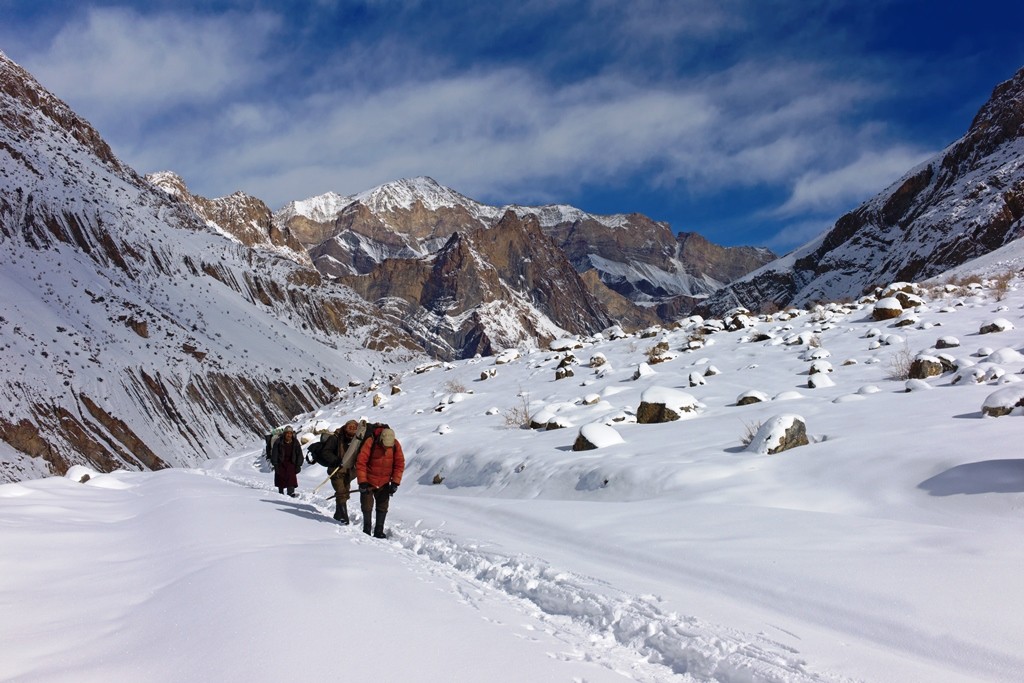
116	64
835	190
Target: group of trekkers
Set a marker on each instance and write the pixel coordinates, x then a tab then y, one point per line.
367	453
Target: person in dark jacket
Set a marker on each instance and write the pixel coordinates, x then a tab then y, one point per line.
379	469
340	444
286	459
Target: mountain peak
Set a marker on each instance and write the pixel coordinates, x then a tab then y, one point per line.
403	194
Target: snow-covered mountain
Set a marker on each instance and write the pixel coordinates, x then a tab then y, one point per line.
633	255
239	216
965	202
134	333
885	549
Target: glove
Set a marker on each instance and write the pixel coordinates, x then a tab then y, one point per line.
309	459
364	486
392	488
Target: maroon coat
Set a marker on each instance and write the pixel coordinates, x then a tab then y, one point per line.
287	461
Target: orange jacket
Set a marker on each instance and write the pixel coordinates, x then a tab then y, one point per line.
378	465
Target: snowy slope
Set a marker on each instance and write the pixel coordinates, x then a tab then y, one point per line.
964	202
133	334
887	549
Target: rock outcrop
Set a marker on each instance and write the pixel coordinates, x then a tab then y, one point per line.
486	290
141	335
965	202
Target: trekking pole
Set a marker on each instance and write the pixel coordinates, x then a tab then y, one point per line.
327	479
338	494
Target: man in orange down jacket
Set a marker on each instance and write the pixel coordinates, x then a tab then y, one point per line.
379	468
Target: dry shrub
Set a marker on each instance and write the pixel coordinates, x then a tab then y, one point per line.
519	416
1001	284
454	386
751	432
899	364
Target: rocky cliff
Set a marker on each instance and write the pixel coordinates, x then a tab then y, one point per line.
133	333
631	254
485	290
965	202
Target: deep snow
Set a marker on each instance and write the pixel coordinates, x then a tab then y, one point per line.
888	549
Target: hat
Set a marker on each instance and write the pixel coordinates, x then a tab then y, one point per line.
289	428
387	438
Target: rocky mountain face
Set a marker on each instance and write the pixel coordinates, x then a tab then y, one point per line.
240	215
136	335
485	290
965	202
638	258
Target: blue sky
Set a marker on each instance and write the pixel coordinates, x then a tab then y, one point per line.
749	121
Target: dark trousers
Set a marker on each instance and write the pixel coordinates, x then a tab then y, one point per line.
367	499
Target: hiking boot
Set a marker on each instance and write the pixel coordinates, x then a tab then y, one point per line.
366	528
292	494
341	513
378	528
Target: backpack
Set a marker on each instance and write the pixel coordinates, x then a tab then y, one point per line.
271	439
325	451
366	431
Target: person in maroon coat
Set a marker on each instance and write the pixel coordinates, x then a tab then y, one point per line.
286	459
379	468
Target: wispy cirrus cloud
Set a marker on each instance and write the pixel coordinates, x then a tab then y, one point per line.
119	64
835	190
766	114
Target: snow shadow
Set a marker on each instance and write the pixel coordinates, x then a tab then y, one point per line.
299	510
989	476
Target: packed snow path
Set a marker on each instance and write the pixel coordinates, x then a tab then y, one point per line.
622	632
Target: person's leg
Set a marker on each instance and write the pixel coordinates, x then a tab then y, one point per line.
366	505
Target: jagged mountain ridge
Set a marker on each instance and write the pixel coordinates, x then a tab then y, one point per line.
454	302
239	216
633	255
487	290
965	202
134	334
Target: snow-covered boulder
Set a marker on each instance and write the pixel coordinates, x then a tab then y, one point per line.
558	422
916	385
643	370
661	404
1005	356
969	375
696	379
778	434
886	309
614	332
1004	401
997	325
565	344
596	435
819	380
819	366
947	342
506	356
597	360
752	396
925	366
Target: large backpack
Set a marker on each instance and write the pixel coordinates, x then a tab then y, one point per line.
366	431
271	438
325	451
